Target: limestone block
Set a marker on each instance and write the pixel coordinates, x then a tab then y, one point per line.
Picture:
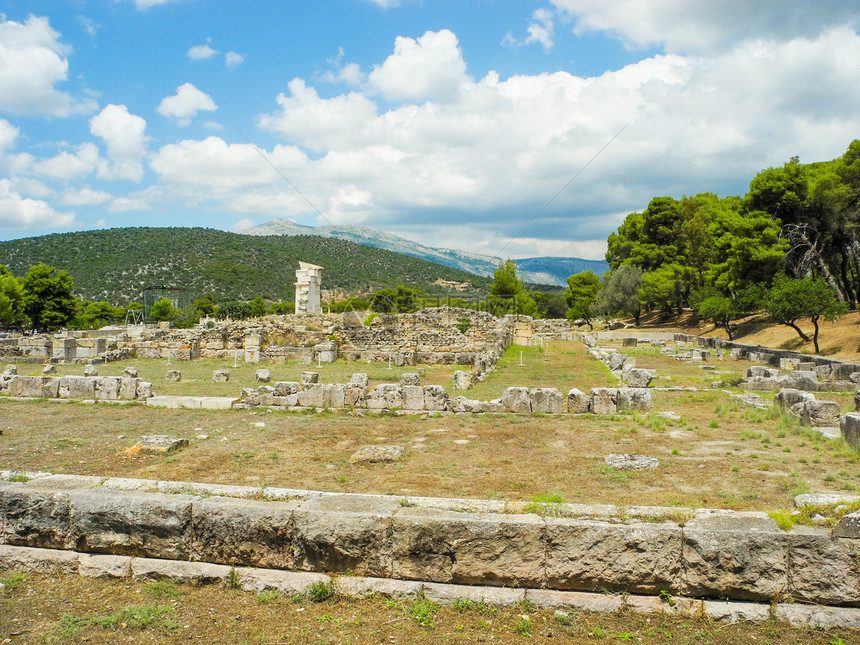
735	556
545	400
144	391
823	569
40	387
104	566
857	401
33	517
49	369
823	371
604	400
616	361
849	425
765	384
805	381
818	617
820	413
462	404
129	372
413	397
590	341
344	533
334	395
173	376
376	455
410	378
130	523
435	398
359	380
577	401
263	375
354	396
310	377
77	387
221	376
468	548
577	600
639	377
196	573
361	587
385	396
736	612
630	341
841	371
589	556
445	594
91	370
462	380
788	397
848	526
516	399
234	531
312	396
40	560
128	388
285	388
287	582
760	370
10	370
634	399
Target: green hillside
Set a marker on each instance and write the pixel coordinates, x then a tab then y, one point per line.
117	264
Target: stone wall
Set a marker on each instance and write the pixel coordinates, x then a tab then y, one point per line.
102	388
696	553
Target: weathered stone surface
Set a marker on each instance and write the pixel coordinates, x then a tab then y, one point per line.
385	396
33	517
197	573
735	556
823	569
376	455
462	380
824	499
173	376
468	548
800	380
577	401
788	397
616	361
848	526
818	617
287	582
10	370
354	396
144	391
38	559
104	566
545	400
630	462
849	425
820	413
77	387
221	376
128	388
359	380
590	602
761	371
344	533
263	375
124	523
129	372
410	378
312	395
334	395
413	397
516	399
590	341
435	398
590	556
446	594
285	388
361	587
462	404
49	369
638	377
736	612
39	387
107	388
310	377
229	530
633	399
161	443
604	400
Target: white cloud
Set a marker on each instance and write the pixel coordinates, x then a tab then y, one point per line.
8	134
213	125
70	165
125	204
84	197
32	62
143	5
349	73
683	26
541	30
90	26
428	69
243	224
20	213
185	104
386	4
125	139
201	52
232	59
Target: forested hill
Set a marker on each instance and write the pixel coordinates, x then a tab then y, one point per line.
117	264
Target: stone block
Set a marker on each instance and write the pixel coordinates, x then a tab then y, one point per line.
546	400
801	380
590	556
221	376
788	397
468	548
634	399
604	400
354	396
130	523
361	587
849	425
129	372
759	370
848	526
576	600
819	617
577	401
516	399
823	569
435	398
413	397
77	387
638	377
195	573
39	387
629	341
107	388
334	395
144	391
33	517
823	371
446	594
820	414
234	531
128	388
462	380
287	582
312	396
49	370
39	560
310	377
385	396
173	376
104	566
359	380
286	388
263	375
410	378
616	361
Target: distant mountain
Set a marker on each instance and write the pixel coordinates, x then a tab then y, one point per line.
552	271
118	264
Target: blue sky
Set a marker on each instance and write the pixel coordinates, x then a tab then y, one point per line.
449	122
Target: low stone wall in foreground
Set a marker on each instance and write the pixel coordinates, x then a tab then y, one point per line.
102	388
699	553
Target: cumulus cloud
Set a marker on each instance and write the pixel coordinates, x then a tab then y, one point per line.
541	30
32	63
21	213
232	59
201	52
349	73
430	68
124	136
697	27
185	104
84	197
8	134
70	165
125	204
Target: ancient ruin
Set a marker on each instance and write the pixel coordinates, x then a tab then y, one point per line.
308	280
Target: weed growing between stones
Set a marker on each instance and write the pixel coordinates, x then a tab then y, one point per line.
321	591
